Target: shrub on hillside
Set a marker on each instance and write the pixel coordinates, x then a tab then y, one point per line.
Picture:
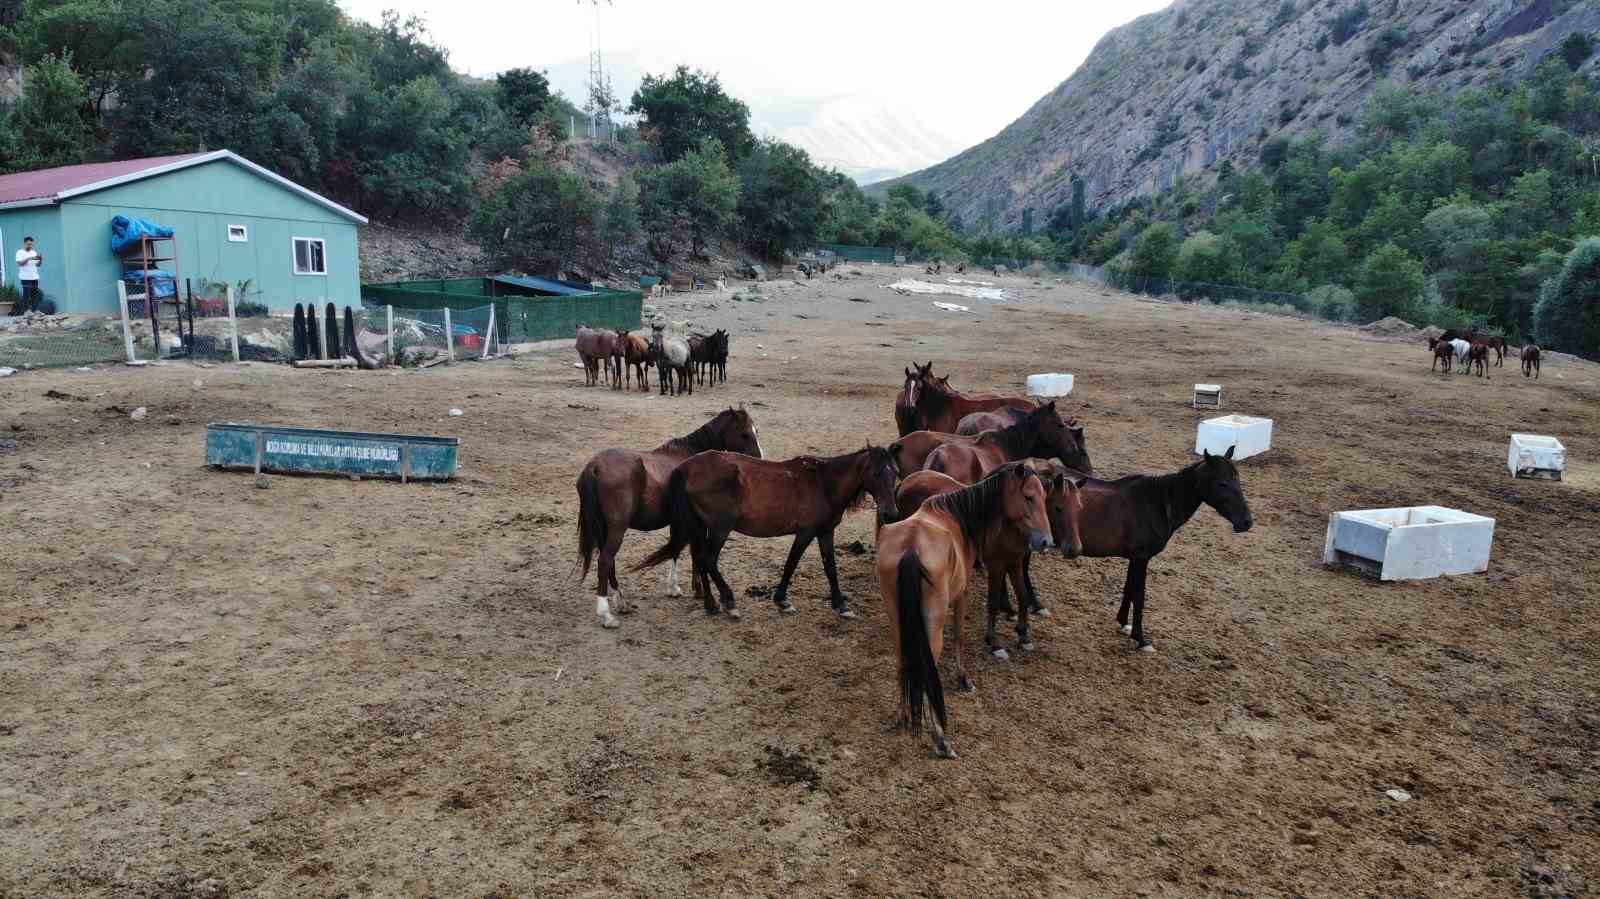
1204	257
1333	302
1389	282
1155	252
1567	316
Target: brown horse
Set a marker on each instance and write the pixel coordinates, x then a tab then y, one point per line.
1530	361
905	403
941	407
620	489
1477	357
713	495
636	355
1135	517
923	564
595	348
1049	438
1443	351
1041	433
1004	556
1498	344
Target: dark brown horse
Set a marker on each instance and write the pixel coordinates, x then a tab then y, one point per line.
905	403
620	489
1498	344
1478	357
941	407
923	565
1530	361
1443	351
1135	517
1049	438
714	495
636	356
1040	434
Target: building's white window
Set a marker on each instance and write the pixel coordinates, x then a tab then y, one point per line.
309	257
238	234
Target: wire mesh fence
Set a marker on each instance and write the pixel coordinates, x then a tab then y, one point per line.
36	340
419	336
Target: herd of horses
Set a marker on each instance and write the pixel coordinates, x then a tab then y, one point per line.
961	489
1471	351
678	360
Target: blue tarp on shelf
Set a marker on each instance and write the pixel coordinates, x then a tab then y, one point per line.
165	286
126	232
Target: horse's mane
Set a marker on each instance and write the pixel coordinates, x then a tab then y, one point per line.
706	437
1018	439
976	508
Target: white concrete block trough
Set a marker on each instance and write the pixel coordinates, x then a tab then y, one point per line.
1409	543
1050	385
1208	396
1536	456
1248	436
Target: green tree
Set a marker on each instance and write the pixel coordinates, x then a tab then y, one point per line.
412	159
698	192
780	198
95	34
1155	252
620	224
524	94
1567	316
541	220
47	122
681	110
933	206
1389	282
1205	257
1576	49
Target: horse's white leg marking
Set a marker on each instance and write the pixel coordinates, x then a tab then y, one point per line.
1127	629
672	581
603	608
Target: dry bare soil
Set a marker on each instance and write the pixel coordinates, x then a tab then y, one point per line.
331	687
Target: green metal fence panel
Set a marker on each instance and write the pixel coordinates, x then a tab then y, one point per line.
861	254
517	319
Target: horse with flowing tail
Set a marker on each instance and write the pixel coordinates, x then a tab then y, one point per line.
620	489
671	355
594	350
636	356
719	357
1135	517
923	563
703	350
941	407
905	403
713	495
1530	361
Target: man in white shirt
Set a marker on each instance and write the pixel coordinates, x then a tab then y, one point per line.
28	262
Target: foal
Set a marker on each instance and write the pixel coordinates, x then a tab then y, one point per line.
923	563
715	494
1530	361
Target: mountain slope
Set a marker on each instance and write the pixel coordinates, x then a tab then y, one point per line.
1175	93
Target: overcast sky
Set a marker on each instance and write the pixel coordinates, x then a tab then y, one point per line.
958	71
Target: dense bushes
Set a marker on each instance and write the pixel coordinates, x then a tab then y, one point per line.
1567	317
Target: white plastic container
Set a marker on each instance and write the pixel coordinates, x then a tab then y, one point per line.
1208	396
1248	436
1409	543
1536	456
1049	385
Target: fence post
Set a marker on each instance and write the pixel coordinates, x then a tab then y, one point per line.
488	338
449	337
233	325
388	314
322	339
127	326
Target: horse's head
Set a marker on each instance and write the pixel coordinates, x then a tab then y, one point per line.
924	372
1217	480
736	431
1433	343
1022	504
1058	439
1064	509
879	479
912	385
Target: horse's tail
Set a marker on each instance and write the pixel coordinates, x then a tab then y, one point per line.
591	519
919	678
686	526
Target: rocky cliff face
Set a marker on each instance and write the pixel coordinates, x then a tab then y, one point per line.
1175	93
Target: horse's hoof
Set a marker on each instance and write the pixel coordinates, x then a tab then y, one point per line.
675	591
610	623
847	613
943	749
1000	654
1126	629
735	614
788	608
1147	646
1025	647
1042	612
713	612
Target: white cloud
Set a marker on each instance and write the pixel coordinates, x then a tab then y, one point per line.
860	84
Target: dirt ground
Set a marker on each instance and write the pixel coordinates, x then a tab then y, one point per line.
329	687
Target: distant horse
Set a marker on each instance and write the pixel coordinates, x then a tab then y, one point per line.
1478	357
703	354
595	349
1005	557
620	489
1135	517
1036	436
671	355
1530	361
923	564
719	357
1442	352
1462	350
905	403
636	355
715	494
941	407
1498	344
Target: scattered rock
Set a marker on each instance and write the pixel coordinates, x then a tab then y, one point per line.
263	482
58	395
139	413
121	558
1398	795
172	420
1391	327
457	413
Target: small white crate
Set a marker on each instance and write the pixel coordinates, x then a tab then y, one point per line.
1536	456
1208	396
1049	385
1410	542
1248	436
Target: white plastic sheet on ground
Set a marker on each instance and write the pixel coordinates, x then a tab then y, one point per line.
908	285
965	281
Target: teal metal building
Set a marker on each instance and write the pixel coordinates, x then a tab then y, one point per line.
233	222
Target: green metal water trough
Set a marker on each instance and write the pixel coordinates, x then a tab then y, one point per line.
314	451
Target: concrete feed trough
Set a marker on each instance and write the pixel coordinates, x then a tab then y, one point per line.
1049	385
1248	436
1409	543
1536	456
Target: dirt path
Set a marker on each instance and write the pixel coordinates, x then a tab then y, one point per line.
331	687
